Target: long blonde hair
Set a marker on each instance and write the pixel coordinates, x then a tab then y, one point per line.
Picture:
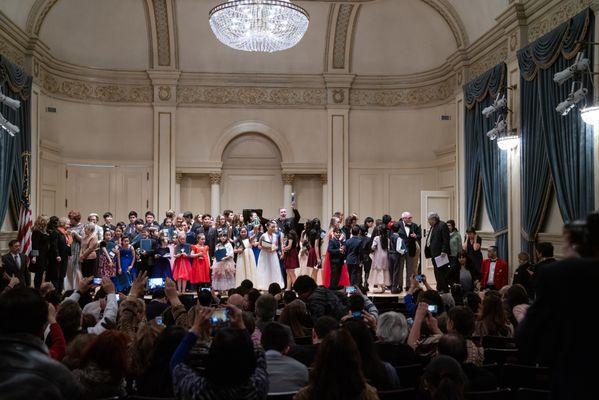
41	222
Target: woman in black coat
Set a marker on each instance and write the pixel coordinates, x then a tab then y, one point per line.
40	245
58	254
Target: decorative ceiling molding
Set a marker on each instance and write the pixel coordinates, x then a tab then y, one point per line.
407	96
161	24
37	14
346	19
564	10
490	59
251	96
451	17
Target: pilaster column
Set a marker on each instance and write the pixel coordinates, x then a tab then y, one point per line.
338	106
326	208
215	193
287	189
178	179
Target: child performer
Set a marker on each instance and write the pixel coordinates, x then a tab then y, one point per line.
182	267
125	263
106	268
223	269
200	267
268	269
162	258
246	262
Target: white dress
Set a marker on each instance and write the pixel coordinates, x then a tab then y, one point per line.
269	269
246	264
379	272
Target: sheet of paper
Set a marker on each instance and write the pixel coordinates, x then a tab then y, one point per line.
441	260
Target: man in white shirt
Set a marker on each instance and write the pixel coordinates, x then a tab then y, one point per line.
285	374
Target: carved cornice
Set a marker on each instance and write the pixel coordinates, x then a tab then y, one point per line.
255	96
37	15
564	10
494	57
11	52
406	96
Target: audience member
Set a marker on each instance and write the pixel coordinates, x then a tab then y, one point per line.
296	317
461	322
392	331
319	300
516	303
232	351
23	315
284	373
104	366
479	379
307	353
493	320
425	332
338	373
523	275
444	379
379	374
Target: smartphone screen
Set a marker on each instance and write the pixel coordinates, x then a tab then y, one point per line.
155	283
432	308
356	314
419	278
97	281
219	316
159	320
350	290
206	289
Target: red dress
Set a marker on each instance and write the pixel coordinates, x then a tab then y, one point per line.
182	268
200	267
326	271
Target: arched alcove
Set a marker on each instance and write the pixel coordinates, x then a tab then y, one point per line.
251	174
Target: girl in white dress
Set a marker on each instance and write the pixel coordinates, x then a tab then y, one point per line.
246	262
269	269
379	273
223	269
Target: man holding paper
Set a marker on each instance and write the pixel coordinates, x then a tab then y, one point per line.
437	248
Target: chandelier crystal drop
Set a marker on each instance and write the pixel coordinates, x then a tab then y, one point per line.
259	25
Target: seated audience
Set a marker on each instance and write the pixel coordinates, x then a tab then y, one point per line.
296	317
493	320
284	373
516	303
75	349
392	331
494	271
156	380
104	366
461	322
338	373
307	353
479	379
379	374
23	315
319	300
157	305
232	351
443	378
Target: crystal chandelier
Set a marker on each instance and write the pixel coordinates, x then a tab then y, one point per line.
590	115
508	142
259	25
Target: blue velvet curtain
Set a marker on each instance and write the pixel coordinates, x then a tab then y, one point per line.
485	164
557	151
15	152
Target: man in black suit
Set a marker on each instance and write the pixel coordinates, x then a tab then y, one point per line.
15	264
209	233
411	234
336	258
437	244
353	247
556	332
282	220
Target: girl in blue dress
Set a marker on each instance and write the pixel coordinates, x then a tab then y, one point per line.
125	266
162	255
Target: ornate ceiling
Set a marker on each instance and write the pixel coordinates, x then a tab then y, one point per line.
373	37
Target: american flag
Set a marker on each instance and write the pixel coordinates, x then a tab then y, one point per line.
25	222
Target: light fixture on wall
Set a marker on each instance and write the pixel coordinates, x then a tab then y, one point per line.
259	25
508	142
5	125
575	97
578	93
9	101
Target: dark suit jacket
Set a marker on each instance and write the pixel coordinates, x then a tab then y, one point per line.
352	250
293	221
499	276
524	278
439	240
335	254
12	269
414	228
557	330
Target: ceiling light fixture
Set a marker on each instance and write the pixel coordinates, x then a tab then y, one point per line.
259	25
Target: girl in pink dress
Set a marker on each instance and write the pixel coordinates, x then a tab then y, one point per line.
182	267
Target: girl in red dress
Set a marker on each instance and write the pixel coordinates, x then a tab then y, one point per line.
182	267
200	267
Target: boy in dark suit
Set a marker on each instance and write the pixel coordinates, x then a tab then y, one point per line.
14	263
352	252
336	257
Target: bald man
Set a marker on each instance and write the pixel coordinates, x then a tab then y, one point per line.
236	300
410	232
